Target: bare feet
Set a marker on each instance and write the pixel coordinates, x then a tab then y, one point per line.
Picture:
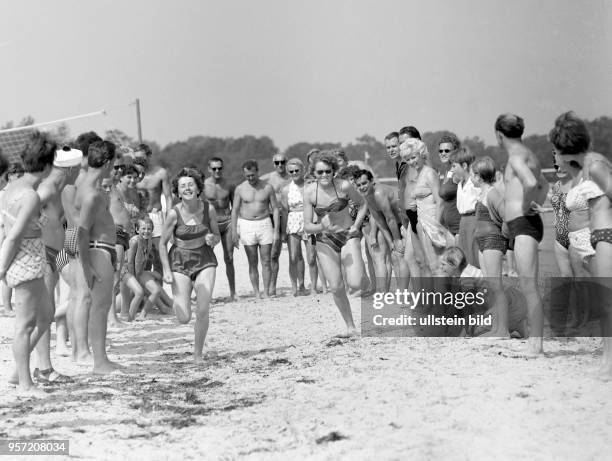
31	392
62	349
350	333
535	346
14	378
83	359
107	367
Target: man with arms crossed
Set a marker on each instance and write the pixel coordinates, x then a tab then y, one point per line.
253	200
221	195
155	183
278	179
97	253
525	185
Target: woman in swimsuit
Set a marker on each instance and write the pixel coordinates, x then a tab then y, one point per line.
22	256
449	215
191	263
433	236
328	199
292	200
571	140
492	245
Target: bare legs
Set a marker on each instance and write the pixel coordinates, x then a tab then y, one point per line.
265	255
330	262
603	270
526	256
203	285
491	263
296	264
228	258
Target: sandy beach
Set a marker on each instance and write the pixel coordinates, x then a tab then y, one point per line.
278	385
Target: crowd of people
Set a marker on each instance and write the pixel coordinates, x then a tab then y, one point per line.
92	231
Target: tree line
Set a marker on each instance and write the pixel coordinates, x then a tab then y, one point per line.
197	150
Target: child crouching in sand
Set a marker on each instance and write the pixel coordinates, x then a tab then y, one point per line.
139	277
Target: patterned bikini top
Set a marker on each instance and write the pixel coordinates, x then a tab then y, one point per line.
184	231
578	197
295	197
338	204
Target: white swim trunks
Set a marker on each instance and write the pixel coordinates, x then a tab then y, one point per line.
258	232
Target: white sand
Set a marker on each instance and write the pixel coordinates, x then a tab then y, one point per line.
278	384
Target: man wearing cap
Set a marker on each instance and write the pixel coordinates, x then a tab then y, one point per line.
278	179
65	169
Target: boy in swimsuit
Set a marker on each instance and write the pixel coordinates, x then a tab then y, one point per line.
97	254
524	184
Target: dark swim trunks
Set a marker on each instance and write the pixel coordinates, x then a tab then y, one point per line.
123	238
62	260
224	225
526	225
108	247
51	255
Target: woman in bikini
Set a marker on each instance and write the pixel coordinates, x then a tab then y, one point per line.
191	263
22	256
328	199
571	140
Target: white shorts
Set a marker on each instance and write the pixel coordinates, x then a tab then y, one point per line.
258	232
157	216
580	241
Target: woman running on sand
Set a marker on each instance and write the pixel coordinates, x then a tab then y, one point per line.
191	263
328	199
22	256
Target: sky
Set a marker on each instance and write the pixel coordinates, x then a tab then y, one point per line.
316	70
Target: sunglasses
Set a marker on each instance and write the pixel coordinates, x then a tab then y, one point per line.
280	162
118	167
293	171
217	169
444	151
320	172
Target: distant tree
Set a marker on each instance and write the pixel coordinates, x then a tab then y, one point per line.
118	137
300	149
601	135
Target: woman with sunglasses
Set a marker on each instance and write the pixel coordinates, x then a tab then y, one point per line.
447	212
571	140
328	200
292	201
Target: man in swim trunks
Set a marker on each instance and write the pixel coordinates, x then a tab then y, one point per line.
96	237
278	179
253	200
524	185
383	203
67	264
124	230
65	169
221	195
155	183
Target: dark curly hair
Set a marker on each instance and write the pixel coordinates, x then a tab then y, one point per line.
349	172
38	152
570	135
188	173
452	139
326	156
